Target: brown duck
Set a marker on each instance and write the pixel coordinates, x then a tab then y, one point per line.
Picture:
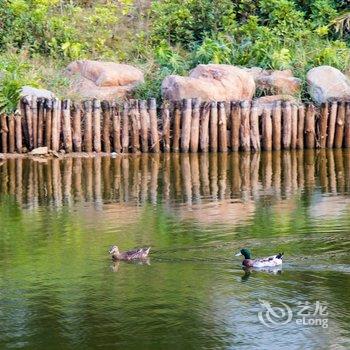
136	254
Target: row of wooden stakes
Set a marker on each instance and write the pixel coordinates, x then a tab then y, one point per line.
176	178
184	126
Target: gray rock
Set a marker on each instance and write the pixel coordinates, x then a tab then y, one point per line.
39	151
39	93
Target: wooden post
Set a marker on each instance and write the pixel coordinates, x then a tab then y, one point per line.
339	129
4	132
310	126
166	126
322	125
34	105
135	130
176	126
67	130
245	126
266	130
76	115
55	133
301	124
294	137
204	127
106	124
48	122
18	132
194	136
235	115
277	126
87	126
125	128
347	127
213	128
186	125
222	125
152	110
11	124
29	120
117	147
96	120
331	124
286	125
144	119
41	112
254	128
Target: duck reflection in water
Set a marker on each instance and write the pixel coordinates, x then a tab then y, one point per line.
248	271
116	264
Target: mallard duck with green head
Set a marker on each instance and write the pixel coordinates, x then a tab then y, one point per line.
270	261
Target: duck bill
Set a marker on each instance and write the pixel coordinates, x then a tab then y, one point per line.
238	254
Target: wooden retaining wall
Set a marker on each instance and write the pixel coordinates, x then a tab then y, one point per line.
185	126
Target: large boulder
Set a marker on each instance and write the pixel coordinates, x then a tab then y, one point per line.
275	81
269	102
327	83
211	82
103	80
38	93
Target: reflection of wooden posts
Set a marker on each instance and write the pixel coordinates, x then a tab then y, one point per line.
309	169
166	178
339	169
4	133
266	165
154	125
76	123
254	174
276	171
294	137
322	126
116	178
254	129
177	174
310	126
144	124
117	147
213	175
106	177
56	124
144	178
204	128
245	126
195	176
301	125
106	124
245	175
96	120
266	130
204	174
186	125
135	130
41	112
12	176
48	122
339	126
331	171
11	134
186	177
77	175
331	124
222	127
222	174
294	172
87	126
286	125
67	131
213	127
154	178
300	166
347	169
67	180
287	173
235	177
19	183
56	182
322	170
276	126
166	127
18	130
125	177
194	134
347	126
34	107
125	128
97	180
235	115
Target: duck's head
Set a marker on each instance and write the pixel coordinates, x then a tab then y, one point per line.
245	252
114	249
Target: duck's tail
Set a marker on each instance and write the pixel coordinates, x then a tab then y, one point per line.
147	250
279	256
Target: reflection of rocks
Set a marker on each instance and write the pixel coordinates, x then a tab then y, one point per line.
329	207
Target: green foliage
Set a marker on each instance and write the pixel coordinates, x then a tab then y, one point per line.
172	36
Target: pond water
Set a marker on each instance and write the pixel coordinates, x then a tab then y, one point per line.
60	290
